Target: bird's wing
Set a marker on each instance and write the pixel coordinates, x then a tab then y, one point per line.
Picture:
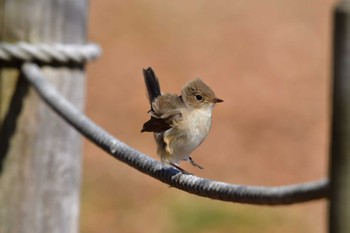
166	109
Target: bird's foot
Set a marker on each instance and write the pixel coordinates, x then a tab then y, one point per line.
194	163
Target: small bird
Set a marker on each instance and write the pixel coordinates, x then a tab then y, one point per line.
180	123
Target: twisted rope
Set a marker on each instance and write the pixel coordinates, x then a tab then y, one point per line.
48	53
258	195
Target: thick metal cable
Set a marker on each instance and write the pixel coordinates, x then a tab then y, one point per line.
53	54
258	195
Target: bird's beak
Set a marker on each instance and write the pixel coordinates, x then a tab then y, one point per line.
217	100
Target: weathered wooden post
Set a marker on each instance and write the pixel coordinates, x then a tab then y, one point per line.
339	209
40	179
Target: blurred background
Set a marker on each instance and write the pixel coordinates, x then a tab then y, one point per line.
269	60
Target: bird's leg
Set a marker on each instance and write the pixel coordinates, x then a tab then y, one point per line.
181	169
194	163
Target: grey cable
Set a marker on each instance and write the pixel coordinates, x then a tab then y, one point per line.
258	195
48	53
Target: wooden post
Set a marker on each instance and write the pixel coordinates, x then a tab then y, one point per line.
40	180
339	209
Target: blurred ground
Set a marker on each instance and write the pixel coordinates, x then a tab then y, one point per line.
269	60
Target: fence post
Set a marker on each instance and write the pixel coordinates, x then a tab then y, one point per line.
339	209
40	179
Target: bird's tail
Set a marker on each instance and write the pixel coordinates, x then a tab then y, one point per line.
152	84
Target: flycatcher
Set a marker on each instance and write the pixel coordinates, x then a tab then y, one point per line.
180	123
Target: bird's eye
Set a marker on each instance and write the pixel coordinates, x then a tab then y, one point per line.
199	97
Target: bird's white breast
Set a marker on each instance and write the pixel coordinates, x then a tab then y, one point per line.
198	122
194	129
